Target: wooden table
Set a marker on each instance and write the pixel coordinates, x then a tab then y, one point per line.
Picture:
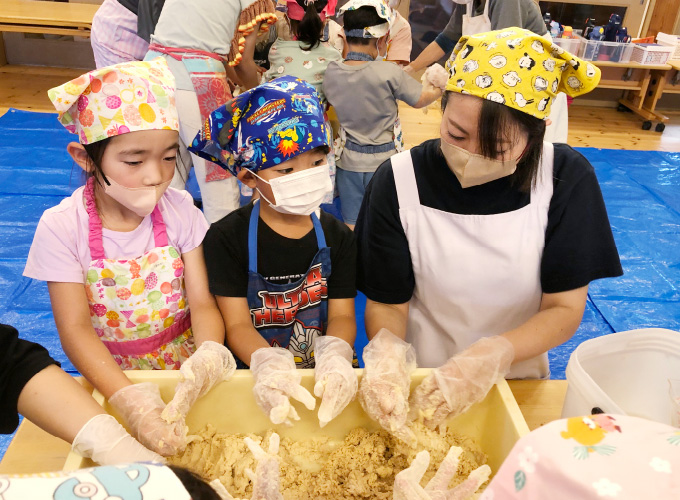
33	450
640	83
57	18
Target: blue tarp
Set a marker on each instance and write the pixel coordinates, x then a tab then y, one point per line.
641	190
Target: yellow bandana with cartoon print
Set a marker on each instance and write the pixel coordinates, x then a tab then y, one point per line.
519	69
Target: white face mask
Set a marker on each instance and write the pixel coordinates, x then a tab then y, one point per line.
473	170
140	200
462	2
300	193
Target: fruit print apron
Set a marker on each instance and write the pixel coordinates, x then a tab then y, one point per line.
291	315
138	307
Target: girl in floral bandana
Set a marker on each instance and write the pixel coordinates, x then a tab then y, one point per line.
122	255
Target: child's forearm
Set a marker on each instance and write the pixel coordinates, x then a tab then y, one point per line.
206	323
428	96
342	320
56	403
243	340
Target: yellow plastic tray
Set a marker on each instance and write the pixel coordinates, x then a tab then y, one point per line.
495	423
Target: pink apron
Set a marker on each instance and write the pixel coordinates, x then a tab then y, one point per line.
138	307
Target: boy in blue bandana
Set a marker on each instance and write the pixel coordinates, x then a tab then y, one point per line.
269	263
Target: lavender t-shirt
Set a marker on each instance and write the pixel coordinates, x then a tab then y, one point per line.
60	250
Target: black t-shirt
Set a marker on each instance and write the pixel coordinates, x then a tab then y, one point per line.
20	360
280	260
579	245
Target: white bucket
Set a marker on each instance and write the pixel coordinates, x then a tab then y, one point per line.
624	373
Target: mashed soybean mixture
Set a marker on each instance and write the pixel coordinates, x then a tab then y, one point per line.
362	466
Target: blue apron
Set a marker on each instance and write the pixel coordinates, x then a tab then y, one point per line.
293	314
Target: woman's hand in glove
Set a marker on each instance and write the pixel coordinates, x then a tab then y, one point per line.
141	405
385	384
276	380
106	442
463	380
210	364
336	380
407	482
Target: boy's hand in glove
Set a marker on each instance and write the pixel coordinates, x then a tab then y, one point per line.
336	380
276	380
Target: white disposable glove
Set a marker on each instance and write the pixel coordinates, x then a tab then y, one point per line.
436	76
407	482
336	380
266	478
210	364
107	442
463	380
385	384
141	405
276	380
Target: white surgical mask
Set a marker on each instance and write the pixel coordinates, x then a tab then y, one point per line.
473	170
300	193
141	200
462	2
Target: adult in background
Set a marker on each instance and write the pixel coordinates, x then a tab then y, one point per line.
198	39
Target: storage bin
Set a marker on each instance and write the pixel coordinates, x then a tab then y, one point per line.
651	53
496	423
593	50
670	41
571	45
624	373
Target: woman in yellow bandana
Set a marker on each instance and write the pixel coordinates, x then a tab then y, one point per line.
476	249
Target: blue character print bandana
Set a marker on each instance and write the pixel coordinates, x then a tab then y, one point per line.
263	127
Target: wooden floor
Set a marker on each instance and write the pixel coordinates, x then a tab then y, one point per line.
25	87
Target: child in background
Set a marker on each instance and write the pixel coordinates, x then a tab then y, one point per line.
307	55
269	263
122	255
364	92
399	43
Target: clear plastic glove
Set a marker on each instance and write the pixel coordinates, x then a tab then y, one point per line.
385	384
141	405
336	380
210	364
463	380
107	442
407	482
436	76
266	478
276	380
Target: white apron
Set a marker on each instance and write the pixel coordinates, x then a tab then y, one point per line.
475	275
476	24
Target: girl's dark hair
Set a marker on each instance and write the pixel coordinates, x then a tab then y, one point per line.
309	29
194	484
96	150
498	123
363	17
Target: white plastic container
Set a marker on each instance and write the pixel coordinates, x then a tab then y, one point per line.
670	41
571	45
625	373
651	53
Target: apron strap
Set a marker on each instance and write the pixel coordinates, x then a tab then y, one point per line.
160	232
252	235
94	223
405	180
